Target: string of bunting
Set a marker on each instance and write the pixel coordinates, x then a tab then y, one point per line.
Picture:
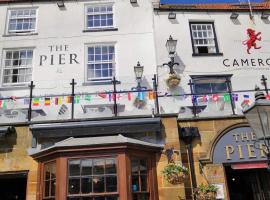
151	95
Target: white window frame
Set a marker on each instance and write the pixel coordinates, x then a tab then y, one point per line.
4	67
206	36
23	31
113	62
99	13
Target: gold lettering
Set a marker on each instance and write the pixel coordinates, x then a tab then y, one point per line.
250	148
235	137
229	150
244	136
253	136
263	150
240	152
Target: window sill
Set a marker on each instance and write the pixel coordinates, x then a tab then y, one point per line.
207	54
99	83
14	87
19	34
100	30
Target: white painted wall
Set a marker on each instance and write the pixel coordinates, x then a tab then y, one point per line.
230	37
133	41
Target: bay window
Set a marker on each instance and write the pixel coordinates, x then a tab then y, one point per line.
100	171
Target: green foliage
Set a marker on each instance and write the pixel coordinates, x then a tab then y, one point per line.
207	188
173	169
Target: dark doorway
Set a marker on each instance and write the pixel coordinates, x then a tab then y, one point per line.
13	186
248	184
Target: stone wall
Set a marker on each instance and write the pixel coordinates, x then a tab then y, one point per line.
205	173
14	157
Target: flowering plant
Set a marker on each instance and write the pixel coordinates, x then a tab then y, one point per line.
175	173
173	80
206	192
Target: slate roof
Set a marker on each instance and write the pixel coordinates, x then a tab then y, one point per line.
96	141
215	7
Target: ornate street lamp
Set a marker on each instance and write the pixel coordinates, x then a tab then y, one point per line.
258	116
171	47
138	70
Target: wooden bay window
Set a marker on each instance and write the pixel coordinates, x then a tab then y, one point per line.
99	172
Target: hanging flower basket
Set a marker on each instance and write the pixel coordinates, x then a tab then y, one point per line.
175	173
173	80
138	103
206	192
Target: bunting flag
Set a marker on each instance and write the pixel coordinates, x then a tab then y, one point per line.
102	95
77	99
110	97
36	102
226	97
246	99
194	99
13	98
235	97
129	96
267	96
151	95
26	101
215	97
4	104
205	98
68	99
47	101
58	100
87	97
141	96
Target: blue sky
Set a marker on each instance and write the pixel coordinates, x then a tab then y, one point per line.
206	1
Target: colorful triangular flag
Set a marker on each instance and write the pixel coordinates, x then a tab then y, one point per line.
215	97
151	95
77	99
47	101
129	96
235	97
87	97
226	97
246	98
68	99
102	95
36	102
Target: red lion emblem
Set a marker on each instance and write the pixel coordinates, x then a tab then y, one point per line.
253	37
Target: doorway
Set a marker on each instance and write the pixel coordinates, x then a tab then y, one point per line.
13	185
248	184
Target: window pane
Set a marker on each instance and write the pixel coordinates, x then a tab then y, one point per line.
74	168
110	166
98	184
47	188
111	184
98	166
22	20
74	186
52	187
135	166
143	183
143	167
135	183
86	185
86	167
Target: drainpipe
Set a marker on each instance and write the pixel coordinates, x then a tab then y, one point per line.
187	134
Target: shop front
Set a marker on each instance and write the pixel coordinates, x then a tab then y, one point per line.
243	159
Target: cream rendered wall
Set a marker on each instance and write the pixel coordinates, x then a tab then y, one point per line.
134	41
230	37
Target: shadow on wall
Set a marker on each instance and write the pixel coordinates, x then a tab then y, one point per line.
8	141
